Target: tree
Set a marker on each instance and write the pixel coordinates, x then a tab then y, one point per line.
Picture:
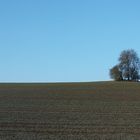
128	67
116	74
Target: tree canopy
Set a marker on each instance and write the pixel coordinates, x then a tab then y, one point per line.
128	67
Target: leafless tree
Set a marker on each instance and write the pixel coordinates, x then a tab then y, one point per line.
128	67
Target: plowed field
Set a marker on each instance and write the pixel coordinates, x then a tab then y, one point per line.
72	111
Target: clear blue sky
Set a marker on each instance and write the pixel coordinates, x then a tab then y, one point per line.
65	40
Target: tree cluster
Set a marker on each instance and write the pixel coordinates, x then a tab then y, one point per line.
128	67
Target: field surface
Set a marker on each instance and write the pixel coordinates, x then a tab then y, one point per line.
72	111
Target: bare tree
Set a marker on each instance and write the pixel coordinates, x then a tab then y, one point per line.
128	67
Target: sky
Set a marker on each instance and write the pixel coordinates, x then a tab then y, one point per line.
65	40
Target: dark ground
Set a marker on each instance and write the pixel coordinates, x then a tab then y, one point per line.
73	111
